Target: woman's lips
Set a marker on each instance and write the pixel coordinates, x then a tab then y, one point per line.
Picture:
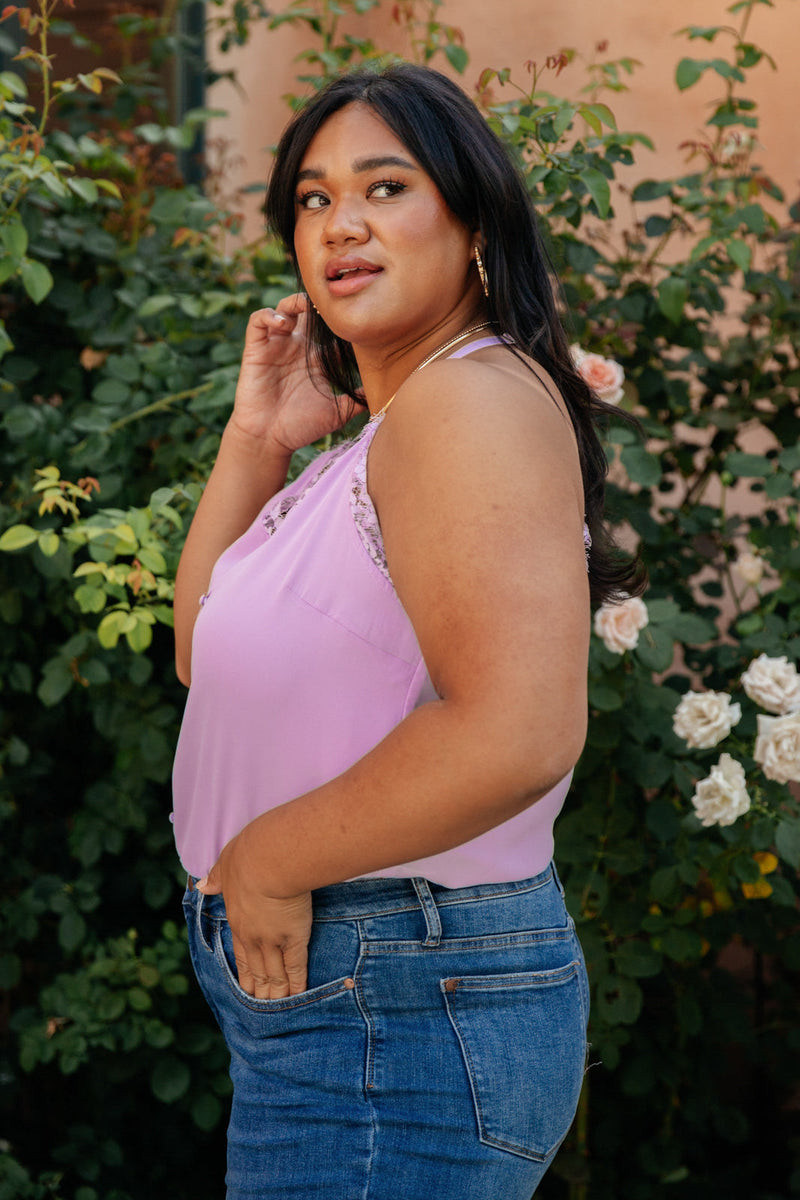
353	279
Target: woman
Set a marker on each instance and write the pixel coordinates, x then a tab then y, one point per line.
388	674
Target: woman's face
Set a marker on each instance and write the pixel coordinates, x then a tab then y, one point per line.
381	255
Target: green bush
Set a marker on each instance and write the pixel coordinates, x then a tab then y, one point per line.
124	300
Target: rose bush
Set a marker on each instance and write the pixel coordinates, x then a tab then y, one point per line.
690	928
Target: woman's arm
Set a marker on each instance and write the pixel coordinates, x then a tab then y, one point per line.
481	511
278	409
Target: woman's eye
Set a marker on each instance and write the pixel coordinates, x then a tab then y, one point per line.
386	188
312	200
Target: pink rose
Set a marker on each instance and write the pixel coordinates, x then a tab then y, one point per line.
604	376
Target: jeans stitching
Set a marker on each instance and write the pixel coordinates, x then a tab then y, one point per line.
442	898
490	941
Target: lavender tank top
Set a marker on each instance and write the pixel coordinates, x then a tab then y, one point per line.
303	659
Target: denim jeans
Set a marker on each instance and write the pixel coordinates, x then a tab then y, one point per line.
437	1054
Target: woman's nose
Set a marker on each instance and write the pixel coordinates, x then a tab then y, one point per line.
345	222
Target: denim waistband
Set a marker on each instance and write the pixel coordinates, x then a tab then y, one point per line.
359	899
373	897
384	894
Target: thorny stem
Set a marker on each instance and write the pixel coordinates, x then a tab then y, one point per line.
159	405
601	846
45	65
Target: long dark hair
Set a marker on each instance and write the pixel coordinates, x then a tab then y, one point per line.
452	142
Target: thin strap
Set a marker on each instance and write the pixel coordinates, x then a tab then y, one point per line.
481	344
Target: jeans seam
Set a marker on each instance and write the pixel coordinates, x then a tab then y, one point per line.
490	941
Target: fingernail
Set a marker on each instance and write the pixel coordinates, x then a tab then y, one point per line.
201	883
280	317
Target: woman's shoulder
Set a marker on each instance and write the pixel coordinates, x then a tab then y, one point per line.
492	397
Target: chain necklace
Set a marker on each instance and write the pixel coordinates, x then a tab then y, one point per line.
460	337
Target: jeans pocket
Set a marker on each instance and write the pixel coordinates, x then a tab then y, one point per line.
222	943
523	1040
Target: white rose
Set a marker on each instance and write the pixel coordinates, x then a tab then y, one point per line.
751	567
736	144
778	747
704	718
722	796
773	683
619	624
604	376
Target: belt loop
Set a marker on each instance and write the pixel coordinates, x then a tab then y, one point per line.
433	922
199	900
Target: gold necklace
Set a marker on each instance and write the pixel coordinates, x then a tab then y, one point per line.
460	337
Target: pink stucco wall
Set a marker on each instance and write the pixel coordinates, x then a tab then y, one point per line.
508	33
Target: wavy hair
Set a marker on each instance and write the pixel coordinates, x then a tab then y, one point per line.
452	142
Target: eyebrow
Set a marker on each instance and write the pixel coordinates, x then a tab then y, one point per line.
362	164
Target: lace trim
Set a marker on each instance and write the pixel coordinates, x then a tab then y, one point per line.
283	505
365	517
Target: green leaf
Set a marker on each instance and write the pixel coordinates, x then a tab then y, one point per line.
641	466
749	465
689	70
457	57
693	629
619	1000
604	698
662	611
787	841
563	119
682	945
599	189
152	559
655	648
36	279
139	637
109	630
18	537
754	217
726	70
602	113
193	306
71	930
49	542
90	599
14	237
672	296
740	254
154	305
170	1079
56	682
778	486
206	1111
85	188
637	959
651	189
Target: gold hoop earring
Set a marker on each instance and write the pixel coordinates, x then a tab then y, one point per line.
482	272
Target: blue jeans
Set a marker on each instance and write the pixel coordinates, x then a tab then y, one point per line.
437	1054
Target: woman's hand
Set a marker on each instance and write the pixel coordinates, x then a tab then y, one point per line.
270	935
277	400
